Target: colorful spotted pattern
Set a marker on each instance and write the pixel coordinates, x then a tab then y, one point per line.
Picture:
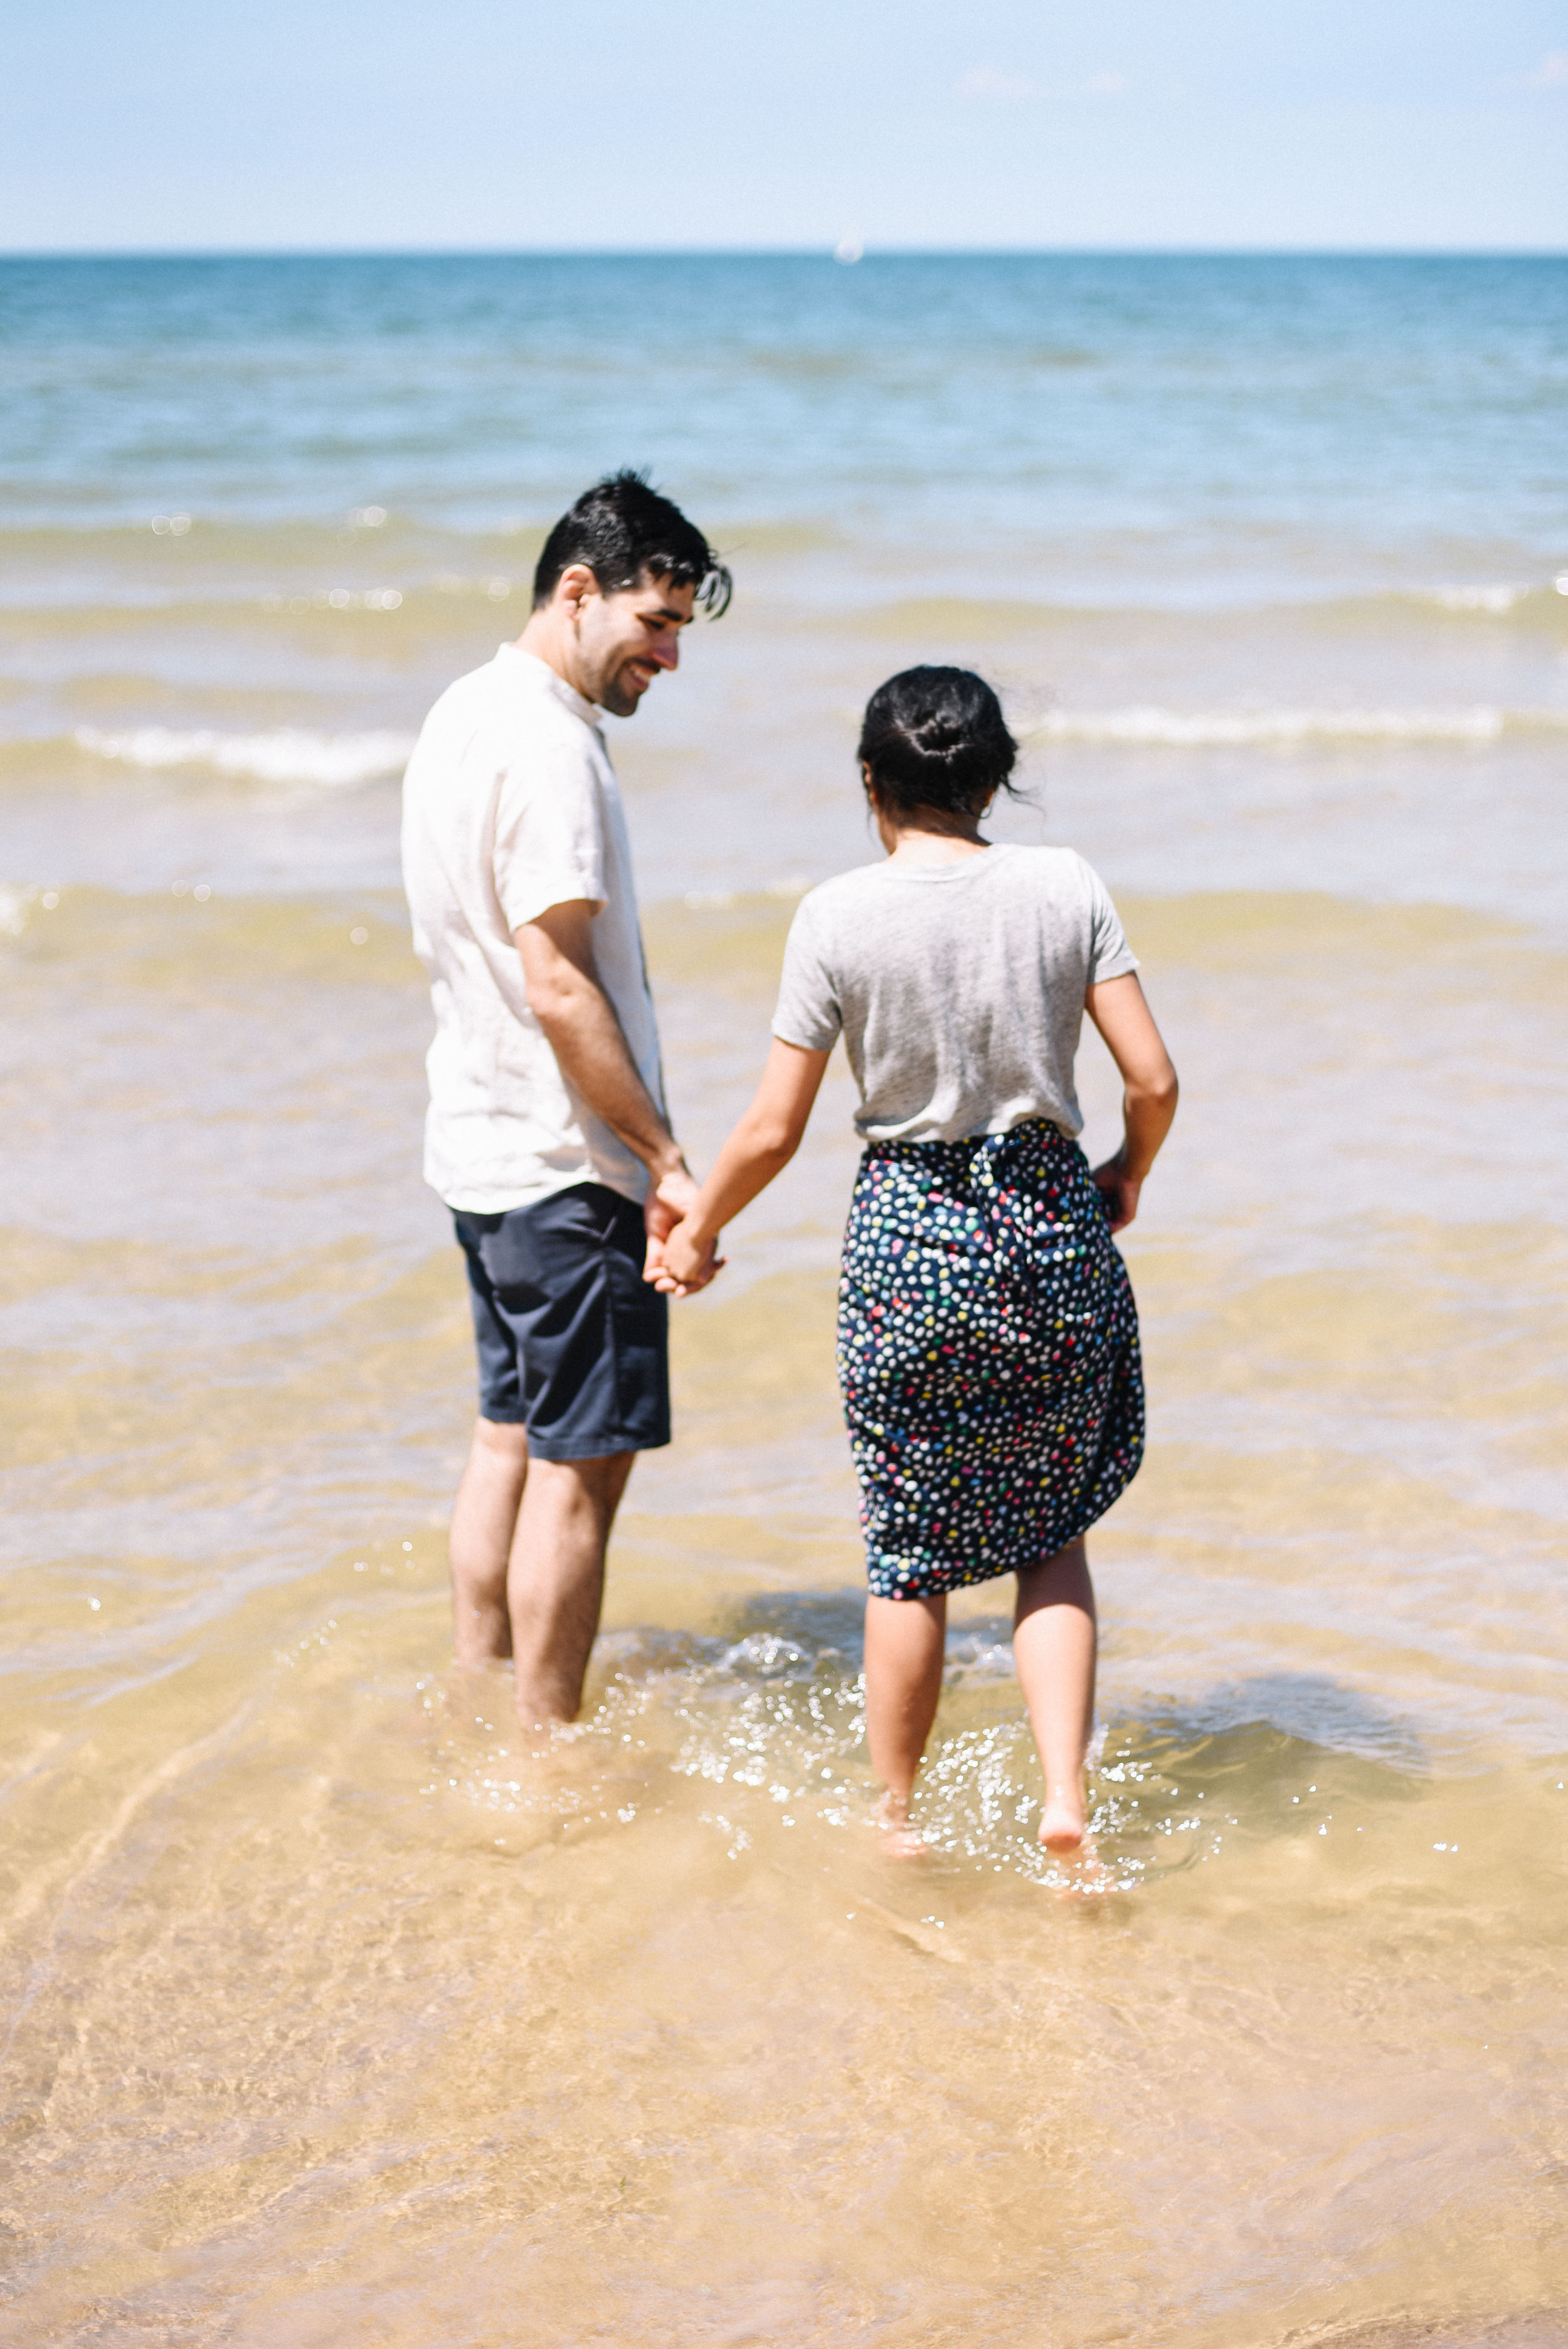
987	1356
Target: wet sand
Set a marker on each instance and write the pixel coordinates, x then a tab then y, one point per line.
332	2019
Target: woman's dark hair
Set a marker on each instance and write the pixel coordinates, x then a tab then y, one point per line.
936	737
625	531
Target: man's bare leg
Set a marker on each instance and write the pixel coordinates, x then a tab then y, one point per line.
905	1646
484	1524
555	1584
1054	1651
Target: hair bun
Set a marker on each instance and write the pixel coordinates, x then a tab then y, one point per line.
936	737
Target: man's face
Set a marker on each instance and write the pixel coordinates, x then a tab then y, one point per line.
625	639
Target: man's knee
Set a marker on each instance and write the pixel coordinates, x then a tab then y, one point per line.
582	1486
500	1439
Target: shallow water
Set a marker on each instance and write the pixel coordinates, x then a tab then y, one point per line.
331	2020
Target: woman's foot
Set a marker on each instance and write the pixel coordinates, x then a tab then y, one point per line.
1063	1826
904	1841
1083	1875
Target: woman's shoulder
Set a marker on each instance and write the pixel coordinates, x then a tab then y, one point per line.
858	877
1014	868
842	893
1042	861
1059	889
1056	875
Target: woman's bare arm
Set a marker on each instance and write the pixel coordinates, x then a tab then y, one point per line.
764	1141
1119	1010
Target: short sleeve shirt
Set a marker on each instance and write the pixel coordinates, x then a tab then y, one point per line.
958	988
510	806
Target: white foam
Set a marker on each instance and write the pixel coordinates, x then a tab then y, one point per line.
1245	728
342	599
15	904
1477	599
291	754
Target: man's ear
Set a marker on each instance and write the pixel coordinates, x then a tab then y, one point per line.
574	588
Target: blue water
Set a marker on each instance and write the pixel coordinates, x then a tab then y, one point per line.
1158	426
1248	518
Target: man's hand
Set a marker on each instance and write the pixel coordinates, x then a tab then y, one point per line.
671	1198
682	1257
680	1264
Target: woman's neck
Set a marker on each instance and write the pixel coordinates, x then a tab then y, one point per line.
928	836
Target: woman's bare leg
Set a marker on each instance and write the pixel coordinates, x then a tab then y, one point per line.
1053	1650
905	1644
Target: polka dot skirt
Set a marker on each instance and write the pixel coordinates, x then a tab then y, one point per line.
988	1357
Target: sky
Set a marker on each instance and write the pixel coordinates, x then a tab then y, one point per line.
474	124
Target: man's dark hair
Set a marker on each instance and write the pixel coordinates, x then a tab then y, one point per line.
625	532
936	737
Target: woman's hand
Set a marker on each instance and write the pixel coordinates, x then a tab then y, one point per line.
684	1261
1120	1189
670	1200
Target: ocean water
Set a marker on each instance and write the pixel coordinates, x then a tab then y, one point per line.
328	2021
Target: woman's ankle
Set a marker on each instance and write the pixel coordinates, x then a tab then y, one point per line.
1064	1818
904	1841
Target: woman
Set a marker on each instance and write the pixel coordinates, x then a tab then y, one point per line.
988	1338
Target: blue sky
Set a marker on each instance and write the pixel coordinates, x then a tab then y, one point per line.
472	123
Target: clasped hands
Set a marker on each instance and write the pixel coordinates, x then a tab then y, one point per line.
679	1260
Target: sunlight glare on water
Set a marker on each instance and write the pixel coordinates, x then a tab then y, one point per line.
332	2016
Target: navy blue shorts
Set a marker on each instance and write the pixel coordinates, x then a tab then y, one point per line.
574	1343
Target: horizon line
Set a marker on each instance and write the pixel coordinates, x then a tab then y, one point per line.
823	251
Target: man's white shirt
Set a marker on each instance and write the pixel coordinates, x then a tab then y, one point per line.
510	806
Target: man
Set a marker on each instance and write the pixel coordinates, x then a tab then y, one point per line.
548	1135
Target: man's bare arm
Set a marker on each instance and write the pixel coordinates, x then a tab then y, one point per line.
567	999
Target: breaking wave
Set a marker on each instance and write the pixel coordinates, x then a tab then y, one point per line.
1244	729
289	754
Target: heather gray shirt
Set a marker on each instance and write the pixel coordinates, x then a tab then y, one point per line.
958	988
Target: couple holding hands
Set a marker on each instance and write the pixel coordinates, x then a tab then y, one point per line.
989	1353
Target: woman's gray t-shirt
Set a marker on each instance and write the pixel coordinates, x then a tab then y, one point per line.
958	988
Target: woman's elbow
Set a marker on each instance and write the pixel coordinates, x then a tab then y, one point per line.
773	1141
1157	1089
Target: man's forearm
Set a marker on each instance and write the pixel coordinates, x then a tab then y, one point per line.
594	1058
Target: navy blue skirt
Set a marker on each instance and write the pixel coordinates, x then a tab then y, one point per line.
988	1357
